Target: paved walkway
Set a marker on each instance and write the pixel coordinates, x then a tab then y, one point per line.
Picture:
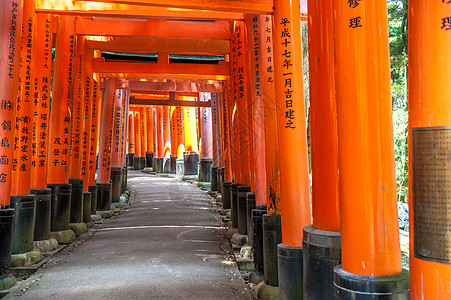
169	244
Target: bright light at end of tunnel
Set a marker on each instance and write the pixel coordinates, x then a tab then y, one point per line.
99	38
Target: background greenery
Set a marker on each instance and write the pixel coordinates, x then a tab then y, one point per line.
397	26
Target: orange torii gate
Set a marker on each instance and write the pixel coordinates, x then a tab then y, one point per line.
261	136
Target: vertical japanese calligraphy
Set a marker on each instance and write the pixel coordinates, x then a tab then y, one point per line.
9	62
23	126
77	110
117	117
60	116
93	140
87	118
106	131
41	107
291	134
242	95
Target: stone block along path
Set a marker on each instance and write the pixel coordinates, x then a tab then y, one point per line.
169	244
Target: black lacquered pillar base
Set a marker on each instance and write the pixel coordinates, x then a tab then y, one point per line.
116	184
250	206
76	200
86	207
173	163
23	231
348	286
158	164
322	253
142	163
167	165
290	266
103	196
7	281
129	159
149	159
60	215
272	236
257	240
205	169
190	162
227	196
124	179
93	191
214	187
43	199
138	163
234	212
242	208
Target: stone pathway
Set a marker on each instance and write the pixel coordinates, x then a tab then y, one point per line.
169	244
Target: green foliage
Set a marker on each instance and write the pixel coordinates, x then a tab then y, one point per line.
397	27
400	119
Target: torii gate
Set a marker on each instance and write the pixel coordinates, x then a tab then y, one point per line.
354	214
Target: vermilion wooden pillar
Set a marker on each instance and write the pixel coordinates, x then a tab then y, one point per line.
160	138
10	32
233	112
206	151
216	166
41	107
11	25
155	129
60	123
117	117
371	257
143	125
138	154
124	131
177	139
167	138
21	164
292	138
191	155
124	127
158	161
257	111
93	141
429	131
225	129
324	157
41	110
88	194
242	101
60	120
150	145
77	108
104	193
106	130
177	143
149	123
116	163
166	131
131	138
270	117
87	119
77	116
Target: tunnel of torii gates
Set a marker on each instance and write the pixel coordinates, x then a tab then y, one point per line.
213	91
